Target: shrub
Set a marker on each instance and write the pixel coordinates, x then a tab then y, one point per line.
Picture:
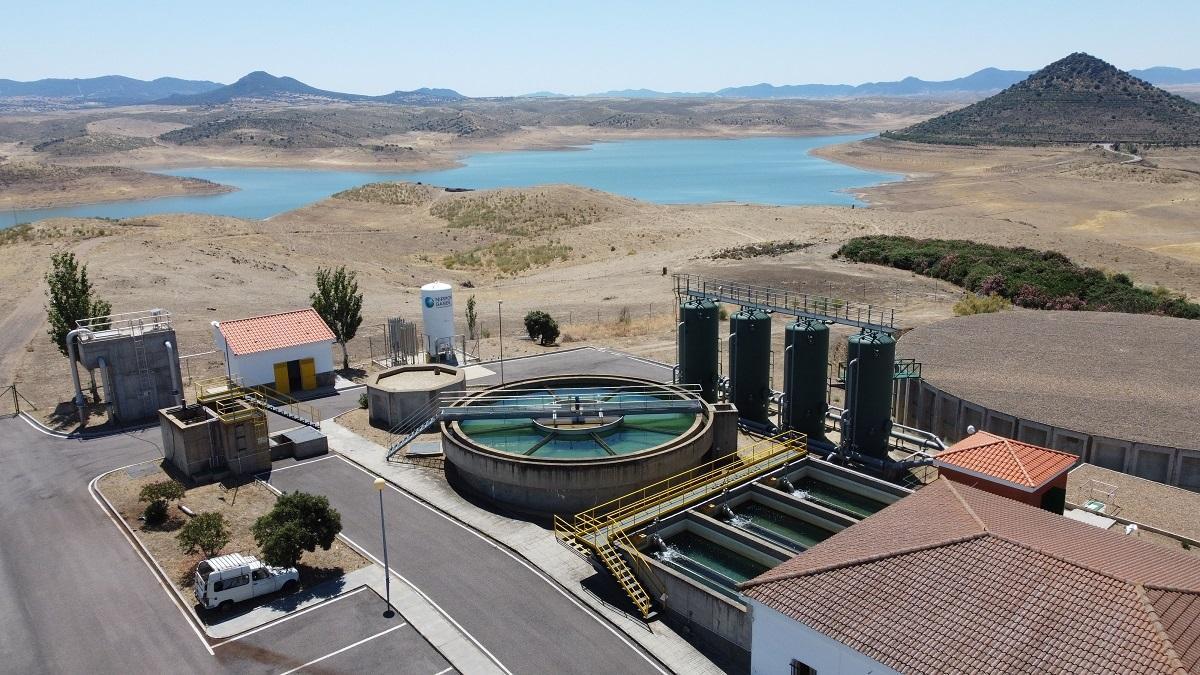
624	316
541	327
158	494
1027	277
155	513
298	522
980	304
363	401
206	533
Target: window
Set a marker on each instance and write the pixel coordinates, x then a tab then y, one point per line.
801	668
226	584
260	574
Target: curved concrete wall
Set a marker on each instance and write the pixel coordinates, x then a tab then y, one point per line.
921	404
568	486
388	406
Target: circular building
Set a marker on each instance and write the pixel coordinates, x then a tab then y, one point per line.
564	444
394	395
1119	390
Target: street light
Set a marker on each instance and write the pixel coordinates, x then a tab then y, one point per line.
380	484
500	311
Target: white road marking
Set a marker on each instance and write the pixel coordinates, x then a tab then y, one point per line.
443	672
550	582
149	563
476	372
401	577
293	466
346	648
290	616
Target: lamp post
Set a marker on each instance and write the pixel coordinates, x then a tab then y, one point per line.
500	311
380	484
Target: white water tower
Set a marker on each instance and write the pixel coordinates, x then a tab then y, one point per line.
437	313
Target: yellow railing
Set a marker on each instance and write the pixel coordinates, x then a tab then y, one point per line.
689	487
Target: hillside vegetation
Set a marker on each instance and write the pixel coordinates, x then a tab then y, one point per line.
527	212
1028	278
393	194
1078	99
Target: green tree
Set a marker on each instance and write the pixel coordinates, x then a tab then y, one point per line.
206	533
71	297
157	495
339	303
541	327
472	318
298	522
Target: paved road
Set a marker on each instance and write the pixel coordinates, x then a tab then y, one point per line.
74	596
586	360
512	611
349	634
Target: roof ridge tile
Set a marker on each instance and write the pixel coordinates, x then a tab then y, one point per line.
1160	631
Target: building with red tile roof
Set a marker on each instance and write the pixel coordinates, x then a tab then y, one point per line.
1021	471
954	579
289	351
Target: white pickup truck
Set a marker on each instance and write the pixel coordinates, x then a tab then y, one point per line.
227	579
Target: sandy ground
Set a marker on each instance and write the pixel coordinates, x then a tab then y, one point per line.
1153	205
204	268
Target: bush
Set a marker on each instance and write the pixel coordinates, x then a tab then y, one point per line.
158	494
206	533
1027	277
541	327
155	513
363	401
980	304
298	522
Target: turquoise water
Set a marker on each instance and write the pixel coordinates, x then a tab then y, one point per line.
520	436
710	561
831	496
795	533
768	170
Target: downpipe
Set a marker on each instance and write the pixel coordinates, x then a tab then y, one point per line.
73	355
173	366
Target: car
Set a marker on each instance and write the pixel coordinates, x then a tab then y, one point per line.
226	579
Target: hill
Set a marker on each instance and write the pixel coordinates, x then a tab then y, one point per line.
259	85
1077	99
107	90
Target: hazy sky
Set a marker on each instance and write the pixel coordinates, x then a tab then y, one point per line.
484	48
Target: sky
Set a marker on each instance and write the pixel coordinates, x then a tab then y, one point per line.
498	48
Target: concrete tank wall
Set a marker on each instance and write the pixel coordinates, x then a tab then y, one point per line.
391	401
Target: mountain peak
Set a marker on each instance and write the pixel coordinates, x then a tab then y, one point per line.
1077	99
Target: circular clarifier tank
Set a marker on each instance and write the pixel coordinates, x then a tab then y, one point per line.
565	444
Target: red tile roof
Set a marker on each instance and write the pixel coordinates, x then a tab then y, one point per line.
1022	464
275	331
953	579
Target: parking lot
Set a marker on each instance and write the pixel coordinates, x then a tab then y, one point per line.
347	634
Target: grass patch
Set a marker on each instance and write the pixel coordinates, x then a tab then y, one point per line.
1024	276
765	248
396	194
520	214
508	257
27	232
980	304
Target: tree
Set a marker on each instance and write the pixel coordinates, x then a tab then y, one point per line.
298	522
158	494
206	533
472	318
339	303
541	326
71	297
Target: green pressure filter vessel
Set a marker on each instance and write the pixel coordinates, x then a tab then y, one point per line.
870	367
750	364
699	353
805	377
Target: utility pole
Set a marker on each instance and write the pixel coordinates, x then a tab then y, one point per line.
500	311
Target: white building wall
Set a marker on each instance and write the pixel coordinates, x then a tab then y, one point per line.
259	367
778	639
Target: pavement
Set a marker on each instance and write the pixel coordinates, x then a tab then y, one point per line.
591	360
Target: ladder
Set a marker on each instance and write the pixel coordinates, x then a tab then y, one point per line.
139	350
624	576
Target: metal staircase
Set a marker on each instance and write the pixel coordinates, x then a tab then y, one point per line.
625	579
147	389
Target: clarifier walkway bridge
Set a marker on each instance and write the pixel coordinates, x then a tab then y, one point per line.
598	530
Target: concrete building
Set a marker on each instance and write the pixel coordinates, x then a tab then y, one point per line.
953	579
1116	390
137	359
288	352
201	442
1027	473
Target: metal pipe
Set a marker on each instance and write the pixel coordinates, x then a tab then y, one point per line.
173	366
108	390
73	355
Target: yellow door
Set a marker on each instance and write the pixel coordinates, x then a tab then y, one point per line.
281	378
308	374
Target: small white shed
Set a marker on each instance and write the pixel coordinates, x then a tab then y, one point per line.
289	351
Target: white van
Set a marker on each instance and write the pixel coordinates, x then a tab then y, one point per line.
227	579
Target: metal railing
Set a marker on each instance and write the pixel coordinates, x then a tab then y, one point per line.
128	323
837	310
